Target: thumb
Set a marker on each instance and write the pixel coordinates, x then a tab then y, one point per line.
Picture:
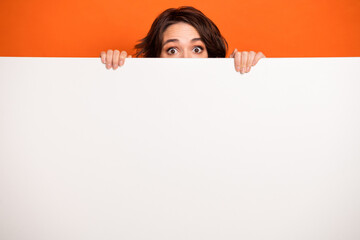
233	53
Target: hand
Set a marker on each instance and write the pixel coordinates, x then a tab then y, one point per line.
114	58
245	60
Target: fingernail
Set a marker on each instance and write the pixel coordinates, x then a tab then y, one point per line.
248	69
242	70
108	66
238	69
121	63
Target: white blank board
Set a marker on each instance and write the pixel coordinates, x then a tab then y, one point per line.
179	149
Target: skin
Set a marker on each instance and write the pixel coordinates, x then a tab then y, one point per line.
181	40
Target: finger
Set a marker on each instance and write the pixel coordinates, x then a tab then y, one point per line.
109	57
258	56
233	53
244	56
103	57
129	56
116	57
250	61
237	59
123	55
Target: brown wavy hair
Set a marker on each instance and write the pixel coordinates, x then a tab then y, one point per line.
151	45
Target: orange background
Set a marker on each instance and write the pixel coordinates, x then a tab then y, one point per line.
83	28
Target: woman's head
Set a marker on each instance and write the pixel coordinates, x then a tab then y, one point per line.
182	32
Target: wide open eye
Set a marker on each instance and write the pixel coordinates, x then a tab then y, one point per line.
198	49
171	51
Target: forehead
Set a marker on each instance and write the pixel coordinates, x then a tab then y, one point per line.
181	31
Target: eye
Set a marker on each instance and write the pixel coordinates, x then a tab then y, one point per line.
198	49
171	51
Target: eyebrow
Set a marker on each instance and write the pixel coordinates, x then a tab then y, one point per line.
177	40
